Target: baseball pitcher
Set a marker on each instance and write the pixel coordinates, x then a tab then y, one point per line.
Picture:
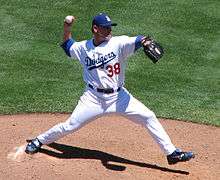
104	58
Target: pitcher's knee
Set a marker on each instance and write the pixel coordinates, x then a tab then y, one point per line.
146	117
150	115
69	127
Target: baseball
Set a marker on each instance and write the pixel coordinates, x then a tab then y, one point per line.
69	19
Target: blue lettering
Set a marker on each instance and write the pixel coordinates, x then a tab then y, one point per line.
100	61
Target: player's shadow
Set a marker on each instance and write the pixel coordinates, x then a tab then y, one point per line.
107	160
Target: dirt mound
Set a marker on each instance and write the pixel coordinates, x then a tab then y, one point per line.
111	148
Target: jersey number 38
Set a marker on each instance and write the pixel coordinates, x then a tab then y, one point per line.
113	69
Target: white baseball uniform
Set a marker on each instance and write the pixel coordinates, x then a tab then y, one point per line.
104	70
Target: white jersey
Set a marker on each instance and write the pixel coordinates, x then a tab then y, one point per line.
104	65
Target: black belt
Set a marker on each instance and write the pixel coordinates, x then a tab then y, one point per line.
105	91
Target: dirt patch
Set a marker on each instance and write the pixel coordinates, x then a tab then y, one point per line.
111	148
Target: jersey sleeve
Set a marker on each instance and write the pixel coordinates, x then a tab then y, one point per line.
71	48
129	45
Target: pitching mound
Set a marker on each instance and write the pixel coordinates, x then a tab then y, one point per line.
109	148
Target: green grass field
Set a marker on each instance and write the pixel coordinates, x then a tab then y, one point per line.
36	75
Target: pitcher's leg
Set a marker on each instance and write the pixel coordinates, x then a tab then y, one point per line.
80	117
157	132
139	113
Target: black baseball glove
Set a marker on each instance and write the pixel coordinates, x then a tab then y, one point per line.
152	49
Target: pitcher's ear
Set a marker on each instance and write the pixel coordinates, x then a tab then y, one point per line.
94	28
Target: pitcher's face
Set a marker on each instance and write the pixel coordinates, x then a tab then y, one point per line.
103	33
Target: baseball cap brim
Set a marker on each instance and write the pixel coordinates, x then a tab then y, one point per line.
114	24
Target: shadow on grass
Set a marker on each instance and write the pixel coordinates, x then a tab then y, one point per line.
107	160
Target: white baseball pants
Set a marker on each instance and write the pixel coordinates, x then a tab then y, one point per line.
93	104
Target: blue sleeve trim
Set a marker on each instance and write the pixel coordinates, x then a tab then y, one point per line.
138	42
66	46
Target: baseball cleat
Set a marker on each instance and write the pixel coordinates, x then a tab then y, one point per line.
33	146
179	156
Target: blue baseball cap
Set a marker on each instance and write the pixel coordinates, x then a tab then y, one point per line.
103	20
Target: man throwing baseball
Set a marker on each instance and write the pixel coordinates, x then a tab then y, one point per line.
104	58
